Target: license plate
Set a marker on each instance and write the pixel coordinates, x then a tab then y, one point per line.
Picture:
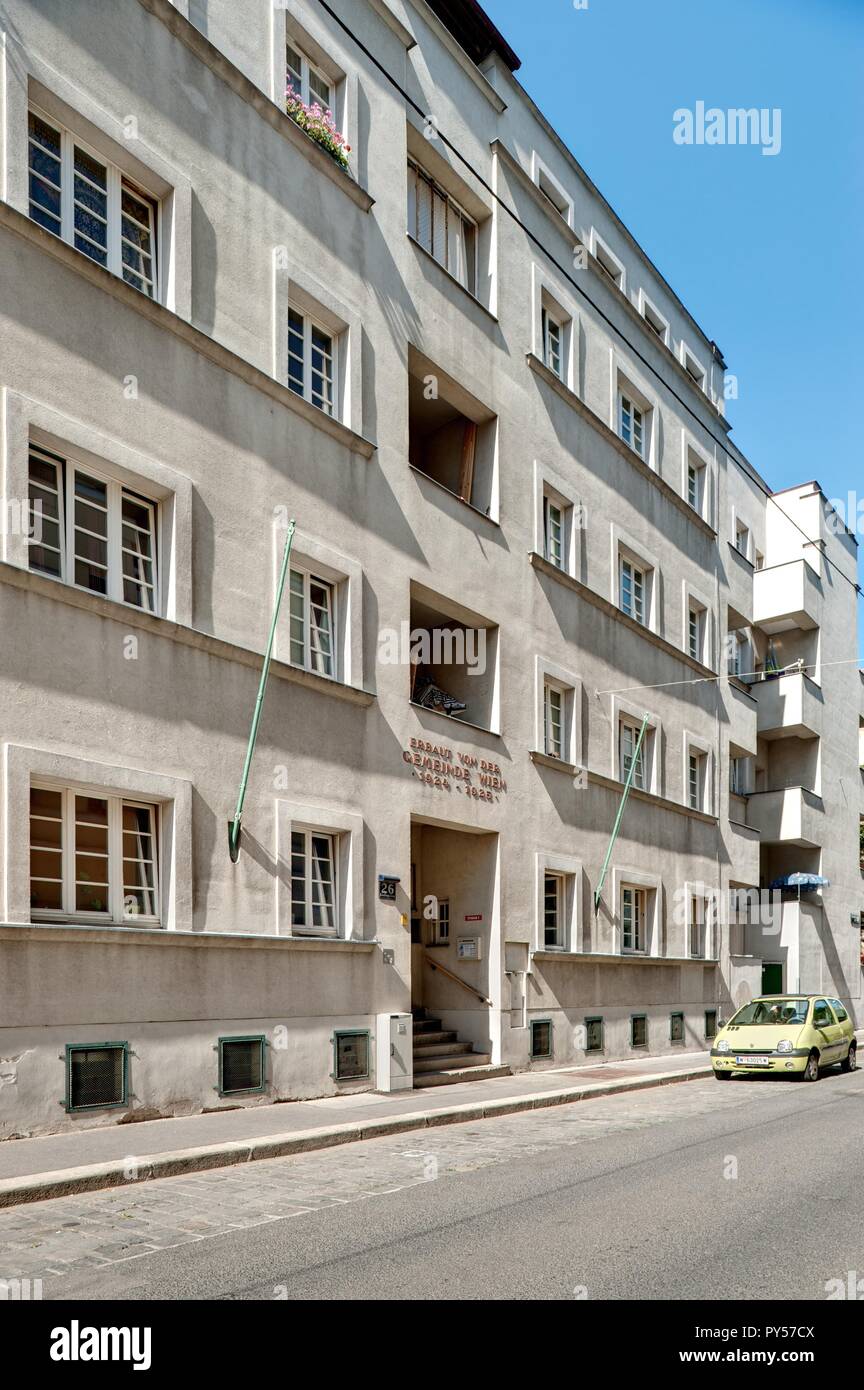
754	1061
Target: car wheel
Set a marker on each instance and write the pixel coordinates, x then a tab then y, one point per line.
811	1071
850	1061
723	1075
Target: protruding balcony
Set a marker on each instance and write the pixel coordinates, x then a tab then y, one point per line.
790	816
790	706
787	596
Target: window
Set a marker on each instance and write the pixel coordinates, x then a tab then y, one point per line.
609	263
710	1023
655	320
696	627
742	539
311	362
553	911
441	227
553	713
632	583
633	920
96	1075
541	1037
312	624
631	424
696	484
698	928
441	924
693	367
697	767
241	1065
628	742
676	1028
841	1013
313	883
553	533
351	1056
737	650
552	190
88	202
553	342
308	82
638	1030
92	857
738	776
593	1035
91	532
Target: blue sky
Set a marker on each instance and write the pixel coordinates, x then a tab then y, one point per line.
764	251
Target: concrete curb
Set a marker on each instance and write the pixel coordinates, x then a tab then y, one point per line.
37	1187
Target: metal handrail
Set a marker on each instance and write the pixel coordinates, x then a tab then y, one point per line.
450	976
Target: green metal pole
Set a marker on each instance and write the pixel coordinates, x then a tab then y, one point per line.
620	816
234	827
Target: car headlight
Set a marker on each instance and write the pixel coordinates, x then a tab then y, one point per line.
722	1045
784	1046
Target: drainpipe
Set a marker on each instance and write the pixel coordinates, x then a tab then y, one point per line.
234	826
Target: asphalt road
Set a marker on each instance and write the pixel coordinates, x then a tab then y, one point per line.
693	1191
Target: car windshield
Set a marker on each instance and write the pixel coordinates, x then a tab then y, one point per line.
780	1012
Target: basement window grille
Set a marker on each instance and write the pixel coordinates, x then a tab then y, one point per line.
96	1075
241	1065
593	1035
639	1030
351	1052
676	1028
541	1037
710	1023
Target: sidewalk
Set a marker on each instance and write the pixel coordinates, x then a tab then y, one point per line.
33	1169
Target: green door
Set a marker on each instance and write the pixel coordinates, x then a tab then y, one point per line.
772	977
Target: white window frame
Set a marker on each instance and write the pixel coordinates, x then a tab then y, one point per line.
311	325
696	630
417	173
627	547
548	185
743	530
633	419
633	578
637	896
115	913
560	894
552	489
346	828
552	693
549	676
626	713
308	70
307	578
612	267
689	361
67	466
567	870
656	321
739	774
115	180
628	738
441	923
553	328
550	505
708	927
308	927
700	748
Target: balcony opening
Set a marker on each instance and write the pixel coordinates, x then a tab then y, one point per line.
451	437
453	661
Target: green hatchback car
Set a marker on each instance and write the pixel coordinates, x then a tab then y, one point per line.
795	1034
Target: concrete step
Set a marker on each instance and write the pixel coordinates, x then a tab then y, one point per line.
448	1059
426	1025
450	1076
439	1036
451	1047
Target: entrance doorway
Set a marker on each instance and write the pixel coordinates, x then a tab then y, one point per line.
772	977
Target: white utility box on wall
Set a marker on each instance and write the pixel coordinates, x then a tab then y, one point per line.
394	1054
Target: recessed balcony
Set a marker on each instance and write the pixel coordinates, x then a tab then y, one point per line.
790	706
787	596
789	816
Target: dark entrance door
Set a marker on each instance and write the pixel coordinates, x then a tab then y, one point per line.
772	977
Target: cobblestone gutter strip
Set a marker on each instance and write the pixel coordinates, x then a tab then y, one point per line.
37	1187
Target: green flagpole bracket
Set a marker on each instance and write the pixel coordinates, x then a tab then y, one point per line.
620	816
234	825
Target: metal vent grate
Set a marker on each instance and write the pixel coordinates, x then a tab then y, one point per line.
241	1064
352	1055
97	1076
541	1038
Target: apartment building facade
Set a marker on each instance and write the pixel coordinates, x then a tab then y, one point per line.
530	568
